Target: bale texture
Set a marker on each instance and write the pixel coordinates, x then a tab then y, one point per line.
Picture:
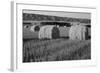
79	32
82	32
48	32
64	31
73	32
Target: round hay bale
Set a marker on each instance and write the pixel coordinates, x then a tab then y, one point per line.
73	32
42	32
27	27
79	32
48	32
82	32
64	32
54	32
27	34
34	28
89	32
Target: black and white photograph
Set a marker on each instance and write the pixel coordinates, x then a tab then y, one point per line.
52	36
55	36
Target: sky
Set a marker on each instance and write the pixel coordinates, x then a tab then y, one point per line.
61	14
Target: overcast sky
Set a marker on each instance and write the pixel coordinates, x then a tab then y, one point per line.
61	14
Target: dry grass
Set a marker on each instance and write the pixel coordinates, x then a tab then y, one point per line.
56	50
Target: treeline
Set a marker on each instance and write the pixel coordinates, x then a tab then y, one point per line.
38	17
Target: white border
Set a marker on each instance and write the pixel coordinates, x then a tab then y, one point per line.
17	52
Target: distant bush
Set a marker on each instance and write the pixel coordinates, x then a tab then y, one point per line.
38	17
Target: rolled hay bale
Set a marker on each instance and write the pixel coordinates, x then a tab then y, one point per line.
42	32
26	27
48	32
79	32
82	32
27	34
64	31
73	32
89	32
35	28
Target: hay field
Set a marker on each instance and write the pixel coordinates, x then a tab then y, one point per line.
56	50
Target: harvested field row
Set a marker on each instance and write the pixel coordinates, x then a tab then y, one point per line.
56	50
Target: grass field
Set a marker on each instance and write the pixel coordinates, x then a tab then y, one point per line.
56	50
